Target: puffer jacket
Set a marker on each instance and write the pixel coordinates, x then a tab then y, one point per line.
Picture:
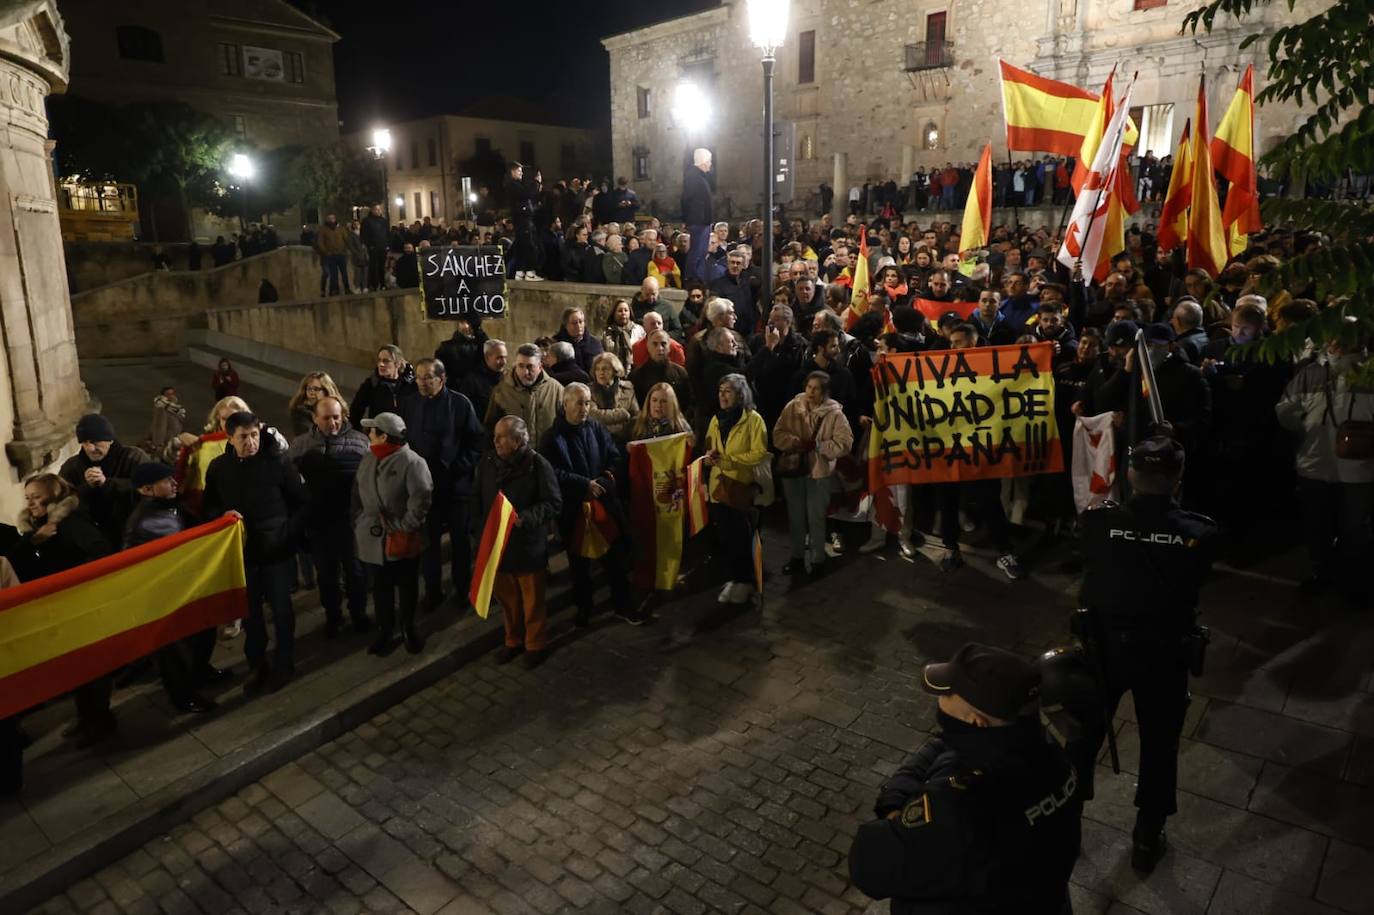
328	463
537	404
1315	403
381	395
527	480
619	418
824	427
267	490
77	540
389	494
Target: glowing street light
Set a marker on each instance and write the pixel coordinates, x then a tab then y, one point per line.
767	28
241	167
691	107
381	145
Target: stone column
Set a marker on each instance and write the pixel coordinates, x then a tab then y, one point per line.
840	207
41	394
904	179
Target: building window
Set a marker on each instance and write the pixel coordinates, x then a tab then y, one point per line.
935	29
138	43
930	136
641	164
1149	4
415	156
433	203
295	67
433	151
527	153
239	126
482	146
644	101
807	147
419	210
567	158
230	61
398	161
400	208
806	57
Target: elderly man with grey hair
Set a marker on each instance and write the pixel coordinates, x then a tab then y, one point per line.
586	463
1190	339
513	469
562	364
698	184
592	269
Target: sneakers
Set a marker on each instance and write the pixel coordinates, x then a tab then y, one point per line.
1010	567
632	616
875	542
741	593
834	545
952	560
909	547
726	593
533	277
519	275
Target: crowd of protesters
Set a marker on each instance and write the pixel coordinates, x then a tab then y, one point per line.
359	494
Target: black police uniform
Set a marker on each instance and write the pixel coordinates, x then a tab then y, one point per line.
1145	562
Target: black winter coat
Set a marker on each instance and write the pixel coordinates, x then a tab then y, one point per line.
374	231
329	463
743	294
696	196
586	349
445	431
460	354
771	371
381	395
267	490
109	504
153	519
572	261
592	271
636	267
477	385
579	455
842	387
77	541
529	483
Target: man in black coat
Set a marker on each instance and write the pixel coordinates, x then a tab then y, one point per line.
374	233
825	355
778	353
327	457
986	817
522	196
526	479
479	381
592	271
443	428
736	287
698	183
256	482
585	460
462	352
101	474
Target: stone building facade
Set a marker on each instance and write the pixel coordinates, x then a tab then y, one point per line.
872	89
41	394
423	170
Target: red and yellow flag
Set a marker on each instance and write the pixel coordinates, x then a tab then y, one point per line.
1173	216
658	507
495	535
1206	235
697	497
977	227
1046	115
64	630
933	309
1233	155
592	538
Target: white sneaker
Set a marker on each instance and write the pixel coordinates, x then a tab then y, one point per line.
834	546
1010	567
742	593
519	274
726	593
907	548
531	275
876	541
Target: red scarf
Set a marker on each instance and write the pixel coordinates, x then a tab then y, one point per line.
665	266
385	450
895	291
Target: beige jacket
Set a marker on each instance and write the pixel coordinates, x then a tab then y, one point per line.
619	420
537	405
825	425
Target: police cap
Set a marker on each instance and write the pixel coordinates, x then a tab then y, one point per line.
1121	333
991	680
1159	333
1159	455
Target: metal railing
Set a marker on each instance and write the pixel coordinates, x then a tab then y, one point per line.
929	55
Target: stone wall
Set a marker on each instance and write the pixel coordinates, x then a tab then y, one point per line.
863	105
99	263
348	329
143	315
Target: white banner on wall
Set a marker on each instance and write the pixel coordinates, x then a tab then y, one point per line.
263	63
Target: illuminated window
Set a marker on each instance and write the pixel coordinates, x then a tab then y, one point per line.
930	136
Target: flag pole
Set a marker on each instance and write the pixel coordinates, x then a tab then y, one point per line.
1092	216
1011	178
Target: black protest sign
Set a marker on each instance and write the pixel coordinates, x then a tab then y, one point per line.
463	281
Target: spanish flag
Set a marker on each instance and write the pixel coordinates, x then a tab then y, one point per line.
1045	115
697	497
1173	216
933	309
658	507
1206	236
495	535
592	538
1233	155
64	630
977	228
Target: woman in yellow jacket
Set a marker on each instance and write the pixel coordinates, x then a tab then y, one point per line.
736	449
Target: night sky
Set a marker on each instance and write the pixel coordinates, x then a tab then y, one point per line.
403	59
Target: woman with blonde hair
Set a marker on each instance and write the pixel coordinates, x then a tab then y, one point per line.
661	414
301	407
622	333
613	397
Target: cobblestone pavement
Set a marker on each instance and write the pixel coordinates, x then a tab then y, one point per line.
719	763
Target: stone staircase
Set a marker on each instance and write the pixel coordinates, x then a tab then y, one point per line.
265	365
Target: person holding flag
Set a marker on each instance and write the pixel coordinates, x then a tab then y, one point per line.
1087	237
512	472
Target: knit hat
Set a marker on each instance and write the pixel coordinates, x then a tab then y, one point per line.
150	472
94	428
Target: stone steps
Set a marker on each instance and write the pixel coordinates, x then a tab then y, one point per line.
265	365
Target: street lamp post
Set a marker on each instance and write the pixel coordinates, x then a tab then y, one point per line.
381	145
767	28
241	168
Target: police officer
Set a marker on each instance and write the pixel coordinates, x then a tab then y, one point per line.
1145	562
985	816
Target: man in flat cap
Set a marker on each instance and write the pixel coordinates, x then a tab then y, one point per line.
1145	562
985	816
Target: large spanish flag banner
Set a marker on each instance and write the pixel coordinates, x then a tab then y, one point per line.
61	631
1045	115
967	414
1233	155
934	310
658	507
977	227
495	535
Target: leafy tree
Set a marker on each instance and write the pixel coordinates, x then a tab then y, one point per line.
486	169
1329	59
334	178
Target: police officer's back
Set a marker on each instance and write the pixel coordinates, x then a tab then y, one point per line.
985	817
1145	563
